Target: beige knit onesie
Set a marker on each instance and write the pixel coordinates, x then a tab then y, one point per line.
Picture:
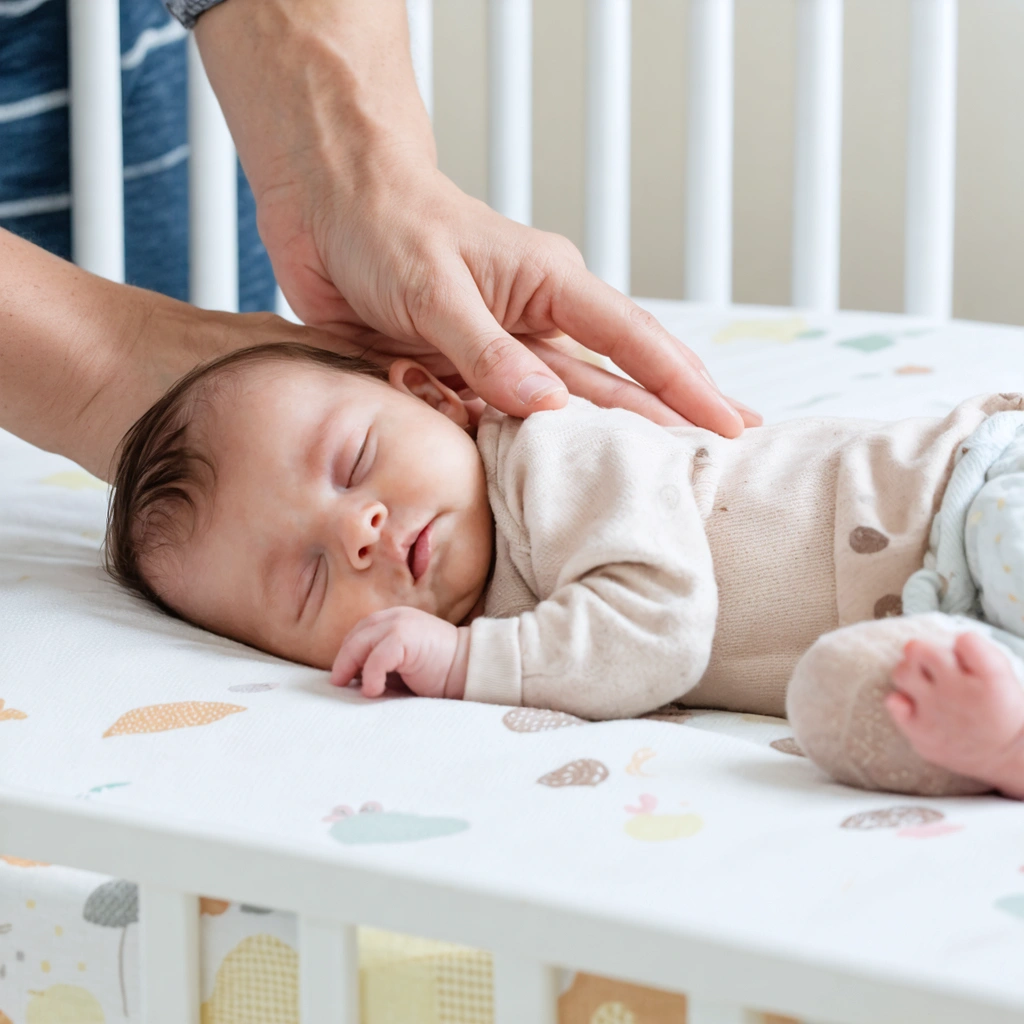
636	565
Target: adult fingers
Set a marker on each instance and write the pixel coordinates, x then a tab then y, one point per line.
605	389
751	417
608	322
498	368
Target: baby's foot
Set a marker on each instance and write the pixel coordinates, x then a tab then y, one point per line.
962	708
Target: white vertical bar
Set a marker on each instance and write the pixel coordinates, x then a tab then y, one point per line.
212	196
421	44
705	1011
931	158
97	162
818	163
169	956
282	307
524	991
709	153
328	972
510	82
607	175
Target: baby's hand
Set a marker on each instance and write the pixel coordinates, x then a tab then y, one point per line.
429	654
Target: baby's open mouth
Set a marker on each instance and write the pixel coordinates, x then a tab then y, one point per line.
419	552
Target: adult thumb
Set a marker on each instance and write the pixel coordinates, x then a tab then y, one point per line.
498	367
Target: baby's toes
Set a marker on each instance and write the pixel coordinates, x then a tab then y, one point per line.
920	668
978	656
901	709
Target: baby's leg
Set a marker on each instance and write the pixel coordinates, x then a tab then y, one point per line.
962	708
837	706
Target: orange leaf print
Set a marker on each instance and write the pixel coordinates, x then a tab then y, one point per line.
208	905
20	862
162	717
10	715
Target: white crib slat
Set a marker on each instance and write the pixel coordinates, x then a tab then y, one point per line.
705	1011
817	168
212	196
421	43
524	990
328	972
283	308
97	163
709	152
169	956
606	244
510	74
931	158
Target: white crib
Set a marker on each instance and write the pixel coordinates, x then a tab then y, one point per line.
530	941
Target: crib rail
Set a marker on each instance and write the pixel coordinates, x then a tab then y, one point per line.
526	934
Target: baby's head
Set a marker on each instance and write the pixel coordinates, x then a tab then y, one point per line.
280	494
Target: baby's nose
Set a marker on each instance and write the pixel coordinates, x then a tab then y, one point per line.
364	537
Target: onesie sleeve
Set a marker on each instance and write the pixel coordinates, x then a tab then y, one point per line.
599	515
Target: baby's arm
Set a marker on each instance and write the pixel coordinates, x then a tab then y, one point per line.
430	655
597	518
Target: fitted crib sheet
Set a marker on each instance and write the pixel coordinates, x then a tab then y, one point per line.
106	700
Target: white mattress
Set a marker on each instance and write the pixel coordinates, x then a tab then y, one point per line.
698	823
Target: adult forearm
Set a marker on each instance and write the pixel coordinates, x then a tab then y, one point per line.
319	88
81	358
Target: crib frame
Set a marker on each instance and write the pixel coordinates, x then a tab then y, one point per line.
530	940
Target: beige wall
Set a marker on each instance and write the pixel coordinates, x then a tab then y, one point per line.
990	167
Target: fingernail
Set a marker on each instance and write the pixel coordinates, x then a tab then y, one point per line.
535	387
726	404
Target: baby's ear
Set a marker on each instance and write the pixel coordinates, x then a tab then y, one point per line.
413	379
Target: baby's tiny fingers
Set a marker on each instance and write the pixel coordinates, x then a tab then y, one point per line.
354	650
358	643
387	656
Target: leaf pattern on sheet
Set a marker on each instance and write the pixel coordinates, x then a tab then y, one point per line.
1012	905
21	862
538	720
212	907
868	342
640	758
74	480
780	329
583	772
10	714
375	825
892	817
163	717
62	1004
655	828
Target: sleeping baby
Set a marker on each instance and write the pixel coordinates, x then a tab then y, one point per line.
589	561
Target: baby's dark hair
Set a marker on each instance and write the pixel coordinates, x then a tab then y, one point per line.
162	465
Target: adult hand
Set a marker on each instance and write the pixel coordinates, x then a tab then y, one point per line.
365	232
